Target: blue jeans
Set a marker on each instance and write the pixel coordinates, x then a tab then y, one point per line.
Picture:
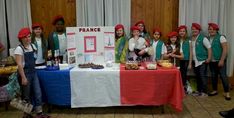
32	91
215	72
201	77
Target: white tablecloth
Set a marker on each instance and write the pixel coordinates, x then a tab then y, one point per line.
95	88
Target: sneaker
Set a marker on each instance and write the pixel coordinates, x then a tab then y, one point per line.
203	95
26	115
213	93
196	93
42	116
227	96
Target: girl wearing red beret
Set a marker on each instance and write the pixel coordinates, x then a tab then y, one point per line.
173	50
40	42
58	39
136	45
121	44
201	50
185	44
218	61
25	55
157	44
143	33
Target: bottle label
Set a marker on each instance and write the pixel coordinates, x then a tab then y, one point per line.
49	63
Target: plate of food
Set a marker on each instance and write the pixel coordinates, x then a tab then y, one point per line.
131	66
167	65
151	66
86	65
97	66
160	62
40	67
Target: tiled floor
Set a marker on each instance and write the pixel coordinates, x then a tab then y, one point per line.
193	107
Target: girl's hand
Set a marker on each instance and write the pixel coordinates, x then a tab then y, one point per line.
24	81
141	52
190	66
207	61
173	55
147	43
169	55
174	51
221	63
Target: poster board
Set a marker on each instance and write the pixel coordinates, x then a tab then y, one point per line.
90	44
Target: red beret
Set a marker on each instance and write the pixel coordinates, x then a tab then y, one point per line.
118	26
23	33
135	28
35	25
157	30
57	18
182	27
196	25
215	26
171	34
140	22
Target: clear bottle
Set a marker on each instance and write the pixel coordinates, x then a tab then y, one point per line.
49	60
65	57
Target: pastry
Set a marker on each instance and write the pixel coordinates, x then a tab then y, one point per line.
97	66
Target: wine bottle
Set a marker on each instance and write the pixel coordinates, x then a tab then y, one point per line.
56	58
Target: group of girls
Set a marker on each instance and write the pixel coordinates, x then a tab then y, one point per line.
196	51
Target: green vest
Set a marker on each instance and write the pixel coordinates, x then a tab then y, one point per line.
56	41
185	48
216	47
201	51
158	49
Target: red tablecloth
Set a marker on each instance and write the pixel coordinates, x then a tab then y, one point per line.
151	87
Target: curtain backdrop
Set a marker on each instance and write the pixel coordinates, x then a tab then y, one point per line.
89	12
3	32
118	11
103	12
19	16
205	11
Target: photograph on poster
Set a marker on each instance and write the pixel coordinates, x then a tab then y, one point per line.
71	40
90	44
72	60
72	53
89	58
109	55
109	40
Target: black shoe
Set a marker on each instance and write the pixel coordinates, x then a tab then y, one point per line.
27	116
227	98
224	114
213	94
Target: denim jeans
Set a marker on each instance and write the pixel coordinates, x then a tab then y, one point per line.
215	72
32	91
201	77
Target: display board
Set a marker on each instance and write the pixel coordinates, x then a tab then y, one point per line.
90	44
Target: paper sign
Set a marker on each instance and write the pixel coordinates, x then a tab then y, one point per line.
90	43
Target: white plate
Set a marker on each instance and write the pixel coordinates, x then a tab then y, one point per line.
40	67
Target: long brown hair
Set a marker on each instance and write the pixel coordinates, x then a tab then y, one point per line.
43	41
177	44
